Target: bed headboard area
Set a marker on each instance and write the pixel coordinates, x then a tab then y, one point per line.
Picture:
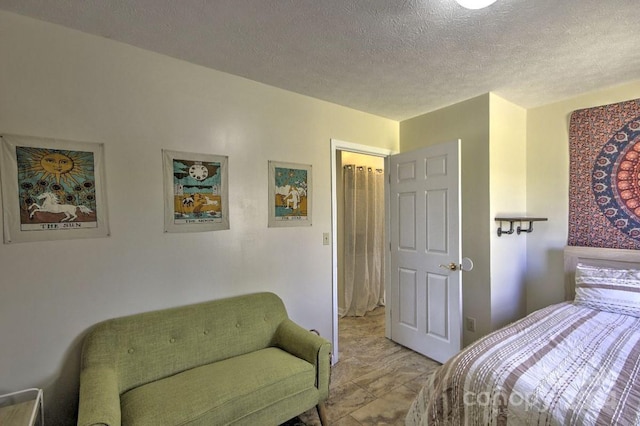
595	256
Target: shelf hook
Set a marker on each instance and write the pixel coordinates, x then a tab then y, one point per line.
528	230
509	232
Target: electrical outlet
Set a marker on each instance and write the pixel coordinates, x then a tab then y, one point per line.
470	324
326	239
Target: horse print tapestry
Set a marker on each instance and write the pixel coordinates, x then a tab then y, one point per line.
604	176
52	189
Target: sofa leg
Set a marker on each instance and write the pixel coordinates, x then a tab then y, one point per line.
322	413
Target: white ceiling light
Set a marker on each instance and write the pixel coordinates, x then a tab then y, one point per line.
475	4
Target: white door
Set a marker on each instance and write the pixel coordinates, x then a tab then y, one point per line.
425	278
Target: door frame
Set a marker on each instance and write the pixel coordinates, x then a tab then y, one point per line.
338	145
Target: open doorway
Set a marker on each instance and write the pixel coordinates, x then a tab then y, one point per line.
356	156
360	222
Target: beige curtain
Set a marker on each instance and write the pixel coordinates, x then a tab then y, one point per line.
364	239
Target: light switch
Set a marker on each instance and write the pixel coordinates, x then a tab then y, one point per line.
326	239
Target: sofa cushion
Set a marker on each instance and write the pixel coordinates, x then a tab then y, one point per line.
221	392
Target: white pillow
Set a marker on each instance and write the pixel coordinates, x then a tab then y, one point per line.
608	289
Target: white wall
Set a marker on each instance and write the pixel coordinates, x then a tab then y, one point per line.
508	193
65	84
548	189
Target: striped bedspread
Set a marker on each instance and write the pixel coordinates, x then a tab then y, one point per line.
561	365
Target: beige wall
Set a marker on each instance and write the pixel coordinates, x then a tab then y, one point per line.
362	160
468	121
548	189
65	84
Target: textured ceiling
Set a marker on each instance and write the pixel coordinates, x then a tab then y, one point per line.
393	58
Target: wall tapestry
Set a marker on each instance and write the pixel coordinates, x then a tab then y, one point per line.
289	194
52	189
604	182
196	192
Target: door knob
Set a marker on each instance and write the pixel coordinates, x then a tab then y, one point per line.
466	265
452	266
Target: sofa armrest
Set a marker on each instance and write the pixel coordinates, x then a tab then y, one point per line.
308	346
99	398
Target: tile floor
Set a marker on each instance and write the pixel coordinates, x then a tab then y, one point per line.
375	380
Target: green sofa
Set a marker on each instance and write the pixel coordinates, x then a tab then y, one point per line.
237	361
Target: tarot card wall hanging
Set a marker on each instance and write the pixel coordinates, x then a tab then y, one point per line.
289	194
52	189
196	192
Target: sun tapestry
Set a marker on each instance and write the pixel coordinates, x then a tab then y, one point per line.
604	181
52	189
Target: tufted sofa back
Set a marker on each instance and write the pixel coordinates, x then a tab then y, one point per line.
146	347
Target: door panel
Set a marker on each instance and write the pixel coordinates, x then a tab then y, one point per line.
425	236
407	211
436	209
437	295
408	287
407	171
436	166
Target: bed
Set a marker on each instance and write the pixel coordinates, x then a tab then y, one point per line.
572	363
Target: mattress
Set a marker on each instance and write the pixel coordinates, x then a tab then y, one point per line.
564	364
